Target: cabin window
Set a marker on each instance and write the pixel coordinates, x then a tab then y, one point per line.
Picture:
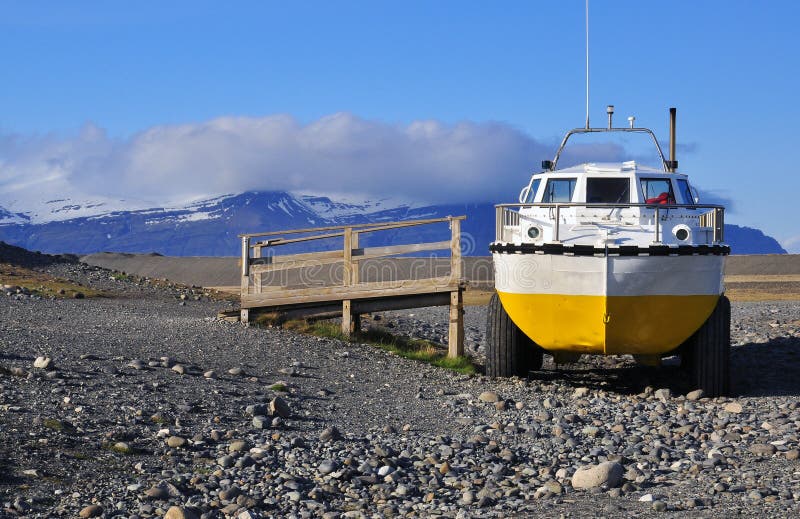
529	193
559	190
685	191
608	190
657	191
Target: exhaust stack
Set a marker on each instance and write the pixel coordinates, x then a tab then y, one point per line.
673	164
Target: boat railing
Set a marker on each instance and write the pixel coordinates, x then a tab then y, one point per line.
507	216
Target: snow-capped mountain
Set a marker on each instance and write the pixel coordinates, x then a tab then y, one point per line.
210	227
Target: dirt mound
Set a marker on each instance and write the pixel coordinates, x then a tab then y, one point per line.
25	258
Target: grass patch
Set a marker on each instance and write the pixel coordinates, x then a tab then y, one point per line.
52	423
408	348
121	276
42	284
281	388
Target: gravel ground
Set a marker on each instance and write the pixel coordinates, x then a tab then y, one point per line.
148	405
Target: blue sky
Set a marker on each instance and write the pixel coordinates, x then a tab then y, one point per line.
511	73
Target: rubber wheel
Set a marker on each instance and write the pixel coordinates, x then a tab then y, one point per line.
707	353
509	351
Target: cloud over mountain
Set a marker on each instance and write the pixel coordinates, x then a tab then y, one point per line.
426	161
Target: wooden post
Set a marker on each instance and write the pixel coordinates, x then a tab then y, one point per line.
455	342
347	318
355	279
347	279
245	316
245	265
455	250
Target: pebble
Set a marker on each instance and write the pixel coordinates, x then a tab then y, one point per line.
176	442
177	512
91	511
733	407
279	407
608	473
44	363
489	397
762	449
697	394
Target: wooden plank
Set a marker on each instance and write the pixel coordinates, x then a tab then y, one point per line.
281	266
360	226
360	291
455	342
394	250
385	304
245	316
275	243
411	223
291	258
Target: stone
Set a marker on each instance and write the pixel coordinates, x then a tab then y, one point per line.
176	442
43	363
580	392
663	394
260	422
792	454
122	448
211	374
157	493
238	446
659	506
762	449
91	511
177	512
136	364
733	407
326	467
279	407
468	497
330	433
608	473
697	394
179	369
236	372
489	396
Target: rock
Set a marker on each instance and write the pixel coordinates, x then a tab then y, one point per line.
329	434
211	374
158	492
177	512
663	394
489	396
238	446
122	448
44	363
91	511
733	407
659	506
180	370
176	442
326	467
762	449
697	394
792	454
279	407
236	372
468	497
608	473
260	422
580	392
136	364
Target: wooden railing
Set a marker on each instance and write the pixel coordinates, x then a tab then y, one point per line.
327	278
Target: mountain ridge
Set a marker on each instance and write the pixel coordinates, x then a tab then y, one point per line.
211	227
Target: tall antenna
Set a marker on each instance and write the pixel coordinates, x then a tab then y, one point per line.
587	64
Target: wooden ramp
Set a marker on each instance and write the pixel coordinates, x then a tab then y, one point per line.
350	280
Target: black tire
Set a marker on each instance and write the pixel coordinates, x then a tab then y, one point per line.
706	355
509	351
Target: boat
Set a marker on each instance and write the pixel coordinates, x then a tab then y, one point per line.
610	259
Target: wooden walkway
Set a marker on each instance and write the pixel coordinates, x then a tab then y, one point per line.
329	283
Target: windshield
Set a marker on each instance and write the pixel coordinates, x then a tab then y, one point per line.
559	190
685	191
657	191
608	190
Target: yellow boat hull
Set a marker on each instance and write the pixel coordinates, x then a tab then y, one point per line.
640	325
642	305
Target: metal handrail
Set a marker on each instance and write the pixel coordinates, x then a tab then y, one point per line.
600	130
714	219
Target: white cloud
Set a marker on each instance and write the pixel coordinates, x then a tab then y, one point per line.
791	244
341	153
